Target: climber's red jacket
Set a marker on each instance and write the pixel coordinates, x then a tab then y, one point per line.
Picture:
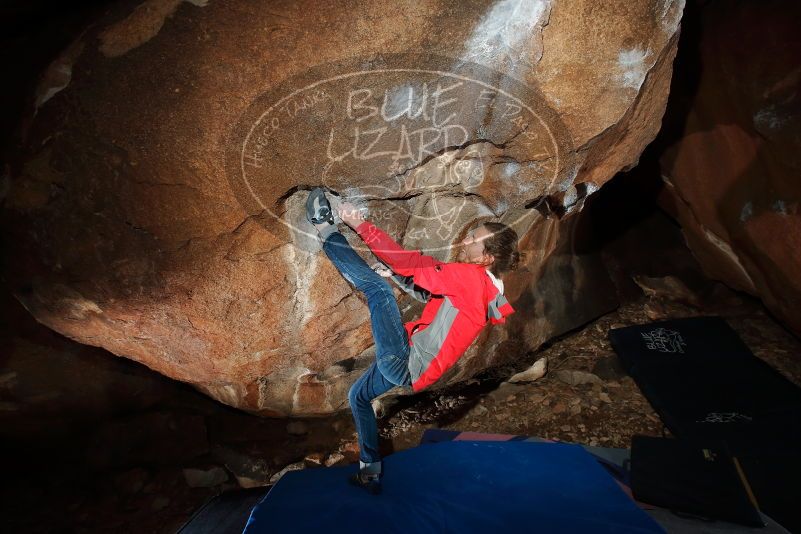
464	297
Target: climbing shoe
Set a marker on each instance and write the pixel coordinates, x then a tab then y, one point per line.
318	210
372	483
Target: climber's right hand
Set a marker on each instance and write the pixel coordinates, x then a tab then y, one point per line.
382	269
350	214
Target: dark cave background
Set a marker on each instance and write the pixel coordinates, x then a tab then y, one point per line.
96	437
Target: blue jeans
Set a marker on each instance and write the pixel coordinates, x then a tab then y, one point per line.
390	368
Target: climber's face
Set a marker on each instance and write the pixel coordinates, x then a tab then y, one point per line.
472	250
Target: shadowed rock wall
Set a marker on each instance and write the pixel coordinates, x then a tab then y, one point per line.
733	175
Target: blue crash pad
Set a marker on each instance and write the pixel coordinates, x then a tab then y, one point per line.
459	487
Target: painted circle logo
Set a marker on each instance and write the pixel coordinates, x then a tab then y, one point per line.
428	150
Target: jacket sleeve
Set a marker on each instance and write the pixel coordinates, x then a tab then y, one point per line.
498	308
429	273
407	284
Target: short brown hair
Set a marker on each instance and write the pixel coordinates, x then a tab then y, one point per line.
502	244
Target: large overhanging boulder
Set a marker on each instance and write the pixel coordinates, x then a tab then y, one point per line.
733	174
158	210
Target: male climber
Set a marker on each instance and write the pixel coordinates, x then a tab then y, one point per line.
461	297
